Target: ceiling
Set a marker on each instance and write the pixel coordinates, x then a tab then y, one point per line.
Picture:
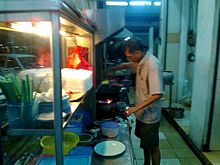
138	19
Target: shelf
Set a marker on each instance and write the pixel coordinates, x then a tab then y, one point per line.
39	131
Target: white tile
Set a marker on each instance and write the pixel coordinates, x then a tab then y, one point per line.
162	136
170	162
216	163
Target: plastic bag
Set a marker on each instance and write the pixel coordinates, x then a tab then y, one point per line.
77	59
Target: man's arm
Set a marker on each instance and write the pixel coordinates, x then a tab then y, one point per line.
144	104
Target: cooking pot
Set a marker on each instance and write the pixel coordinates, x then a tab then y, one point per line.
115	92
120	106
168	77
105	110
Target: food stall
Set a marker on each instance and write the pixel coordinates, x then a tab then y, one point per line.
48	77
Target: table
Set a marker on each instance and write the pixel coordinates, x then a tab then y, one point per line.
126	158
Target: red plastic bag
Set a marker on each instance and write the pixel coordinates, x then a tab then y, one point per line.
77	59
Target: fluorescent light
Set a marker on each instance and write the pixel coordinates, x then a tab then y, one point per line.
127	38
43	28
139	3
157	3
116	3
148	3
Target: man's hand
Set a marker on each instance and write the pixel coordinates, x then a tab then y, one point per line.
130	110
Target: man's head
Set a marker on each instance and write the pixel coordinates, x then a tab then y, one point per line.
135	49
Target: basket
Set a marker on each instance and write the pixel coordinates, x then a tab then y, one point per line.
70	140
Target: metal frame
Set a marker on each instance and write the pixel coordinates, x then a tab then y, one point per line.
56	8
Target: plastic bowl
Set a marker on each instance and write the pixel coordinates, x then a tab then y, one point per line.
110	129
70	140
85	139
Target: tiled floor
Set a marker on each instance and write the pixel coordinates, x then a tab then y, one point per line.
174	151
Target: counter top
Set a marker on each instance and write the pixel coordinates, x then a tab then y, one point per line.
126	158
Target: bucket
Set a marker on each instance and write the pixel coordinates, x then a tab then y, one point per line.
168	77
178	113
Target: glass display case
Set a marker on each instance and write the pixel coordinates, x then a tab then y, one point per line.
46	68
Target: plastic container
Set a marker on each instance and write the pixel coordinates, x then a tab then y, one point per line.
76	160
110	129
81	151
45	107
70	140
76	128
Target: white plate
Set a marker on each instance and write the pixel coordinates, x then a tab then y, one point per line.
109	148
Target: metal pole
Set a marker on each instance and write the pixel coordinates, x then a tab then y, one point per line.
57	106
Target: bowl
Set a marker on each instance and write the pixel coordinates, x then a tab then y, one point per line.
45	120
110	129
70	140
85	139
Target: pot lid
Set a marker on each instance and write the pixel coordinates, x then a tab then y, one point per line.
110	124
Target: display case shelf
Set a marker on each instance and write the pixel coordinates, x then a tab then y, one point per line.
40	131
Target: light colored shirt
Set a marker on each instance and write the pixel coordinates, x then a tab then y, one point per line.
148	82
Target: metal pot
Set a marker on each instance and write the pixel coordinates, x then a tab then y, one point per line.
120	106
168	77
105	111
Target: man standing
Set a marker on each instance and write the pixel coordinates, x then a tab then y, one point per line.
149	91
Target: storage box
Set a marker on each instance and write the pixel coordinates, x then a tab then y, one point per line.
110	129
76	160
77	80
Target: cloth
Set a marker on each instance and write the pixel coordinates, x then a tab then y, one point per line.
148	82
148	134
